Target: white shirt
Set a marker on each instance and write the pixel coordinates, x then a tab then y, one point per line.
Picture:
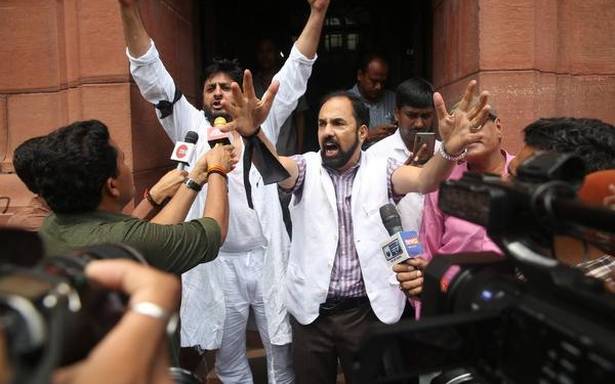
244	229
411	206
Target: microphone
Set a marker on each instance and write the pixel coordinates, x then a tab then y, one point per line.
401	245
184	150
215	135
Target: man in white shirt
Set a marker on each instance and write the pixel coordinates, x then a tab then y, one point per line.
249	270
337	281
414	113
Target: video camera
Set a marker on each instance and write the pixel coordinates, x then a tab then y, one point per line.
51	315
519	318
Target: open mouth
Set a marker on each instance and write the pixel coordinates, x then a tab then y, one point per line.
217	104
330	148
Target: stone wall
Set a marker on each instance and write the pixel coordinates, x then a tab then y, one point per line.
64	61
538	58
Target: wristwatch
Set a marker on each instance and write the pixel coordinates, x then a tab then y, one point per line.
190	183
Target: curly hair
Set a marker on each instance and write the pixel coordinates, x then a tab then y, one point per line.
24	161
76	160
590	139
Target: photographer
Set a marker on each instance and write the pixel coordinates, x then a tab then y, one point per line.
134	351
83	177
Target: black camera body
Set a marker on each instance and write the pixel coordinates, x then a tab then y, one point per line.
51	315
519	318
556	329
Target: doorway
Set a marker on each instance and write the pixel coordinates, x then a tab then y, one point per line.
401	30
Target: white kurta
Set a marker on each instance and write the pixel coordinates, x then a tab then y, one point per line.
411	206
203	308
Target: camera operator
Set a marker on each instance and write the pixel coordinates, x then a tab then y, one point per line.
31	217
594	141
590	139
83	177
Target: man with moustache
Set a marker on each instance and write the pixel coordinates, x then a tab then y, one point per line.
249	270
337	281
414	113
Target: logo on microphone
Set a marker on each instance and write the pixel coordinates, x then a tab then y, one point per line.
181	151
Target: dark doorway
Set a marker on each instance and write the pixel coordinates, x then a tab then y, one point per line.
399	29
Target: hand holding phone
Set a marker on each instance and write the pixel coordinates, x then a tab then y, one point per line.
424	144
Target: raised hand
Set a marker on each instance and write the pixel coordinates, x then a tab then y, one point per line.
247	110
458	129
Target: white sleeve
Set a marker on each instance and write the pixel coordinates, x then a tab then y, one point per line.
156	84
293	78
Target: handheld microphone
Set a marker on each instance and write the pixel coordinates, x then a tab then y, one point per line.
402	245
184	150
215	135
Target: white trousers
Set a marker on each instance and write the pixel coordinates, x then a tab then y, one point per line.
243	290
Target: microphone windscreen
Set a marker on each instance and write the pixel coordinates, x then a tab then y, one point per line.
390	218
191	137
219	121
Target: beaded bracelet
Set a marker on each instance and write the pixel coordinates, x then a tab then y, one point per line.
447	156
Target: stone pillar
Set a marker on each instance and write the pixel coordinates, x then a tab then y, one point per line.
538	58
64	61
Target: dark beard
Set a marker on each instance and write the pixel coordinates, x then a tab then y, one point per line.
341	158
211	115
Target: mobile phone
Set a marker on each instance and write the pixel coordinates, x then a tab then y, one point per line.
427	138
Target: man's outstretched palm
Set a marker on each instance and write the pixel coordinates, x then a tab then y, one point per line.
248	111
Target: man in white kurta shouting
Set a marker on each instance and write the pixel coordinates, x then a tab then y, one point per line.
248	273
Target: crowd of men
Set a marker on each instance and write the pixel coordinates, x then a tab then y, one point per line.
221	228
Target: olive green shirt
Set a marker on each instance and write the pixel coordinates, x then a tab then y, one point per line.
174	248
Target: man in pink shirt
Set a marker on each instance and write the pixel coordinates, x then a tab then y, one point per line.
441	233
